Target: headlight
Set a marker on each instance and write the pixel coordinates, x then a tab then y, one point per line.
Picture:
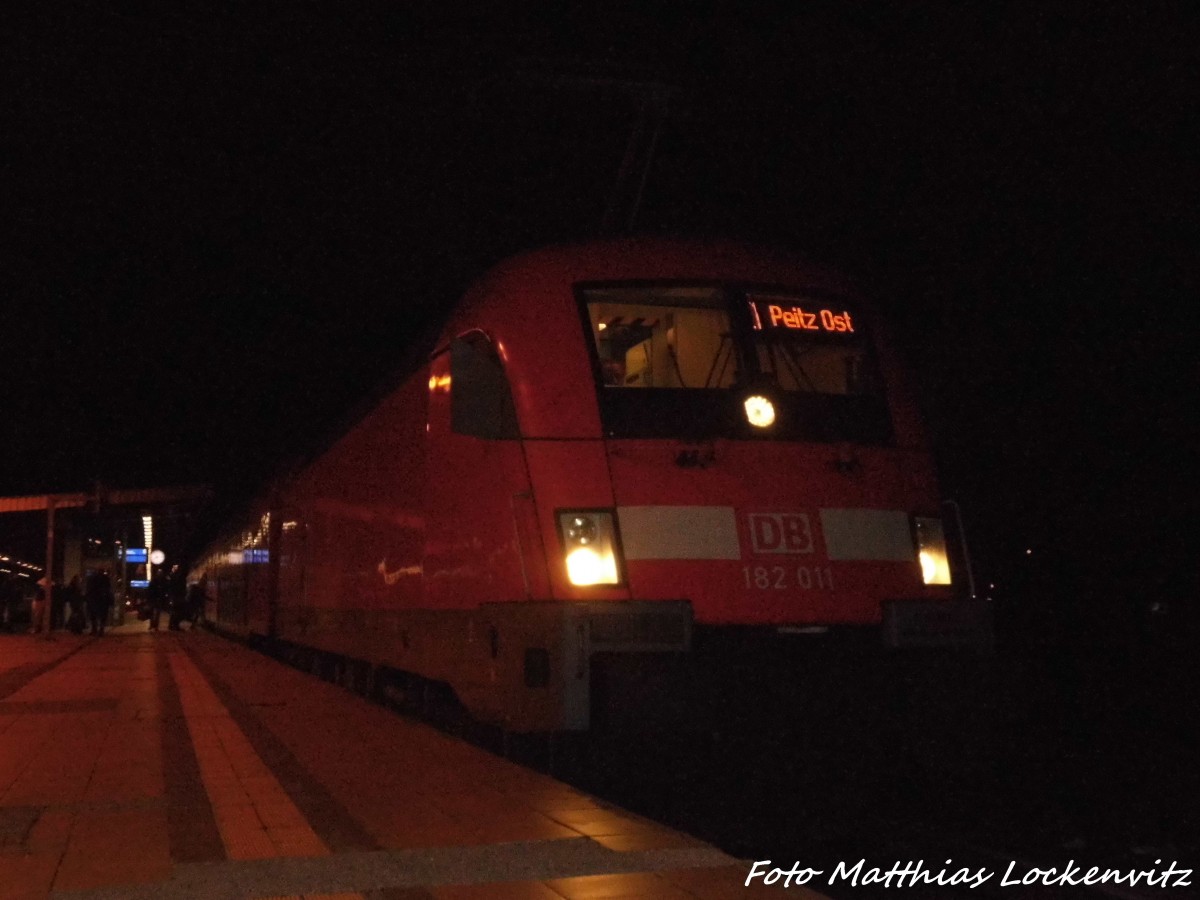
931	550
760	411
589	547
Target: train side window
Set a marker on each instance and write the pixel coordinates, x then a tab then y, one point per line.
481	403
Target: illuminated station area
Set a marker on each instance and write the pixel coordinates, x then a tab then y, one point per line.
131	534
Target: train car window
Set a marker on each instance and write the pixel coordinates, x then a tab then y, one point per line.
481	403
662	337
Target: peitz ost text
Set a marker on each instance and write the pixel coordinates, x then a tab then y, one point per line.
916	873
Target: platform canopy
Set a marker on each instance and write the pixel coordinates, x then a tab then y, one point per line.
126	497
120	516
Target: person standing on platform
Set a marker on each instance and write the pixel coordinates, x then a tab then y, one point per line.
73	601
99	597
39	612
156	595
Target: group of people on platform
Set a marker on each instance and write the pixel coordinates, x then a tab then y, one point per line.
171	594
78	606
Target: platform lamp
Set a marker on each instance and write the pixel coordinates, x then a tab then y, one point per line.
148	534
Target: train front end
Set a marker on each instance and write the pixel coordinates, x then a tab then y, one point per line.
754	460
725	459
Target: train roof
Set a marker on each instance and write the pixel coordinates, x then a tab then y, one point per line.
634	257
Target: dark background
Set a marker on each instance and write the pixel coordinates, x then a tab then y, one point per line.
220	228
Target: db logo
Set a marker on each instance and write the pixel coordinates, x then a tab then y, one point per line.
780	533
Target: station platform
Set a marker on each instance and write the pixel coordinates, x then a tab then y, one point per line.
171	765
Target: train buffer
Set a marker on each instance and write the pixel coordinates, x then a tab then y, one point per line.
183	765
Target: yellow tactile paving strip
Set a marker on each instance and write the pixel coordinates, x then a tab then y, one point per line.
256	818
315	793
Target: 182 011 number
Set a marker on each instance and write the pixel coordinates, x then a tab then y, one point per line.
782	578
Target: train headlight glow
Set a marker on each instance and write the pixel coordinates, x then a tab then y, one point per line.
589	547
931	550
760	411
585	566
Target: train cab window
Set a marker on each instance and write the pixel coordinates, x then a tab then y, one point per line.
481	403
811	345
676	360
816	352
658	337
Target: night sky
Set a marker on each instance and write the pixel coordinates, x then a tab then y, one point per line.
221	227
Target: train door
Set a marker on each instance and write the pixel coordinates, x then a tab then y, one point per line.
274	532
511	656
289	561
483	541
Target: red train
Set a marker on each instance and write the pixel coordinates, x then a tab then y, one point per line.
613	448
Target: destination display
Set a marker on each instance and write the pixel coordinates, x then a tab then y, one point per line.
796	314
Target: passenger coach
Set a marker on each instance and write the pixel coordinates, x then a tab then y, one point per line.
615	449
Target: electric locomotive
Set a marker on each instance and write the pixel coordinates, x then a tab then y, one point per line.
614	451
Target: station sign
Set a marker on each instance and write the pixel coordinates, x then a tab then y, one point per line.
139	583
136	555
